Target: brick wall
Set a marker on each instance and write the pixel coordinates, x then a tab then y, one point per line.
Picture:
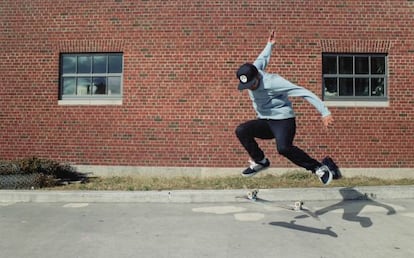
180	103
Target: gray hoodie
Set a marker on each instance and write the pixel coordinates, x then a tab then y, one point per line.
270	99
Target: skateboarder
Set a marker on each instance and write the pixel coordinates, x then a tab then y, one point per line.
275	116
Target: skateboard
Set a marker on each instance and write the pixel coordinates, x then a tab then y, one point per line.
328	161
296	207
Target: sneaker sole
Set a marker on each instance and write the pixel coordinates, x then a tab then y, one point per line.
330	178
252	174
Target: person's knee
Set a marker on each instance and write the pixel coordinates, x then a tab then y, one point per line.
240	131
284	150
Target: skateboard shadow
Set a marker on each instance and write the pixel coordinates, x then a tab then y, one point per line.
292	225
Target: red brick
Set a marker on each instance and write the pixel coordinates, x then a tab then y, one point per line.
180	103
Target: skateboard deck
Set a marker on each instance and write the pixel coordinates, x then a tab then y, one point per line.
296	207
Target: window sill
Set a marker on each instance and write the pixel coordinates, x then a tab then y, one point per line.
374	104
90	102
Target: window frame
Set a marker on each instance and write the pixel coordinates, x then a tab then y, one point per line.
355	76
91	98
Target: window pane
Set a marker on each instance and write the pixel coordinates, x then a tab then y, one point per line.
69	64
331	88
329	65
84	64
377	65
345	65
115	64
69	86
361	65
377	86
84	86
99	85
346	87
361	87
114	85
99	64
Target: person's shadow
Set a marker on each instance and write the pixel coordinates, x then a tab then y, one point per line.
352	208
352	204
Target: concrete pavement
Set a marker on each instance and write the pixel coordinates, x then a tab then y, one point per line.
365	228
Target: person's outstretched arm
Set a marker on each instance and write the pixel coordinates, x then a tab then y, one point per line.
264	57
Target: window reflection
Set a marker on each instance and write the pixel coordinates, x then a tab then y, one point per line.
99	64
84	64
69	64
84	86
99	85
69	86
114	85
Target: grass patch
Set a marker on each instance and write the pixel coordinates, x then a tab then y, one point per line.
288	180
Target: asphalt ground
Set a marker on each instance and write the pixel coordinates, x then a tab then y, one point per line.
350	222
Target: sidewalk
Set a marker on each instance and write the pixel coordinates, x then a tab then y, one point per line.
369	229
208	196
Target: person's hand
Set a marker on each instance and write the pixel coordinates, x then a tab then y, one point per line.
272	39
327	120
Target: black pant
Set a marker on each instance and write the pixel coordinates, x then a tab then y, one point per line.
283	131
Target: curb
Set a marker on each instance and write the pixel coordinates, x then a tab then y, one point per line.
208	196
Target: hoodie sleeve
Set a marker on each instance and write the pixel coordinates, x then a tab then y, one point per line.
264	57
278	84
311	98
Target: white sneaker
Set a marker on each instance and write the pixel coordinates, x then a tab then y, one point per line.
255	167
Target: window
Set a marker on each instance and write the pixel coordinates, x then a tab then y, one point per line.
354	76
91	76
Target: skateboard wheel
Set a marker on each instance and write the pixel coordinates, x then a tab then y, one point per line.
298	205
252	194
